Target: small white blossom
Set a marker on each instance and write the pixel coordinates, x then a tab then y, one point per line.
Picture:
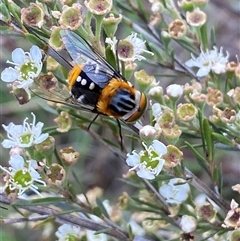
27	66
174	90
68	232
128	49
21	177
174	191
148	163
188	224
209	61
24	135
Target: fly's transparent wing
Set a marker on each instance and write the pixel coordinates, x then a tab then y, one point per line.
82	52
57	92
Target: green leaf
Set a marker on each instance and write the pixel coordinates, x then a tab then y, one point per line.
5	12
47	201
200	159
222	139
110	57
204	36
97	211
102	208
35	40
207	133
213	37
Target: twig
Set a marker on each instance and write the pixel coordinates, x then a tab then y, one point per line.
69	218
199	185
20	220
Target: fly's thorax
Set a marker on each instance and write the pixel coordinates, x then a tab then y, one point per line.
120	100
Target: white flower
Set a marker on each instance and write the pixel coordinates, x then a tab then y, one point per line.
27	66
68	232
148	163
24	135
174	191
92	236
174	90
188	224
209	61
21	177
128	49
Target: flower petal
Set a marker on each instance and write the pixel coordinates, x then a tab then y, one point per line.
17	162
36	53
18	56
144	173
159	147
133	159
203	71
9	74
8	143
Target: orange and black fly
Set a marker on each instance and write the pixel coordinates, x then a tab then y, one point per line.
94	85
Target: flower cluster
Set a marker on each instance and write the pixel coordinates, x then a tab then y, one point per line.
22	173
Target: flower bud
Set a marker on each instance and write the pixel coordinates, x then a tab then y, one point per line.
22	96
186	5
110	24
156	93
55	40
196	18
173	156
214	97
177	29
193	86
188	224
167	119
99	7
64	122
228	115
69	155
144	80
46	147
47	82
33	15
186	112
55	174
172	134
71	17
174	91
147	134
206	212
